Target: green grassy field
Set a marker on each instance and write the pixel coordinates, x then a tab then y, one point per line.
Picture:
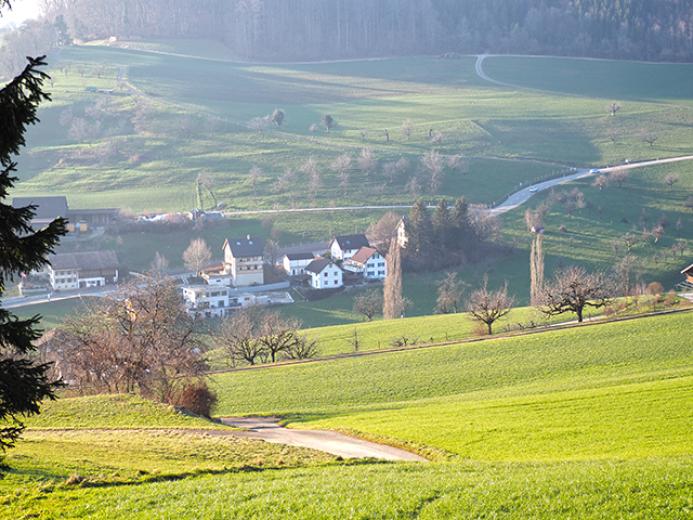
582	423
159	129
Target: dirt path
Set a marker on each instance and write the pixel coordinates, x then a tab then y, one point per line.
268	429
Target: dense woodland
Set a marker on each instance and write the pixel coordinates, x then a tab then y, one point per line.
314	29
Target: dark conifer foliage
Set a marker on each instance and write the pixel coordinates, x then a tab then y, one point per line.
23	382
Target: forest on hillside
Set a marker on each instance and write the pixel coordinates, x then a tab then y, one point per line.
327	29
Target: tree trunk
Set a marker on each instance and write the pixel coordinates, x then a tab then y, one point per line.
490	328
578	311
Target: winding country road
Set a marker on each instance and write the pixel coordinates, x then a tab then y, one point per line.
511	202
269	430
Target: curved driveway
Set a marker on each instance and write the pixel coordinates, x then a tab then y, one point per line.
268	429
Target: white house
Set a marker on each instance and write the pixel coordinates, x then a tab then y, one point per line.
295	263
324	274
345	246
243	260
214	301
206	301
216	276
369	262
69	271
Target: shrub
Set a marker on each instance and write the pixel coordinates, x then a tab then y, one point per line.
196	398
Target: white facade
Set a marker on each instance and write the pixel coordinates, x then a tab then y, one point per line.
72	279
218	279
374	267
295	266
206	301
246	264
62	280
346	246
341	254
330	277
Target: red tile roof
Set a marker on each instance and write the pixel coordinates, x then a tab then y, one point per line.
363	254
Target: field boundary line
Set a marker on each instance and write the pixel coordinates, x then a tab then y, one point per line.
422	346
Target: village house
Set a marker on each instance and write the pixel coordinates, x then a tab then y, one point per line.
78	220
688	273
324	274
68	271
243	260
295	263
215	275
213	301
369	262
346	246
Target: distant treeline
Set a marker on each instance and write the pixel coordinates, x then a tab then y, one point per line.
317	29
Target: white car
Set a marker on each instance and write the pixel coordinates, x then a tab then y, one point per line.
533	189
594	170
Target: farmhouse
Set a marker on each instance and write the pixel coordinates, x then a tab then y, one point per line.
688	273
324	274
52	207
346	246
295	263
68	271
369	262
243	260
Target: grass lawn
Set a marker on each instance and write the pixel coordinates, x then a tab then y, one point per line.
586	423
159	130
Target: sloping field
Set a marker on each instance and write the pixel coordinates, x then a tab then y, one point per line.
590	422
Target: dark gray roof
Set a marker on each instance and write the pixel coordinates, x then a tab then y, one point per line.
245	247
317	265
300	256
87	260
352	241
688	269
48	208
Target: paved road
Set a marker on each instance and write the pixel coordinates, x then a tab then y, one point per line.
268	429
520	197
516	199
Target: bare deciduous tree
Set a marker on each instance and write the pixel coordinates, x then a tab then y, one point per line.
488	306
239	336
573	289
159	265
369	304
449	294
366	161
407	128
277	334
140	339
197	255
254	176
671	179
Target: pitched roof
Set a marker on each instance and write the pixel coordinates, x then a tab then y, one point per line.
245	247
87	260
300	256
318	265
363	254
48	208
351	241
688	270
